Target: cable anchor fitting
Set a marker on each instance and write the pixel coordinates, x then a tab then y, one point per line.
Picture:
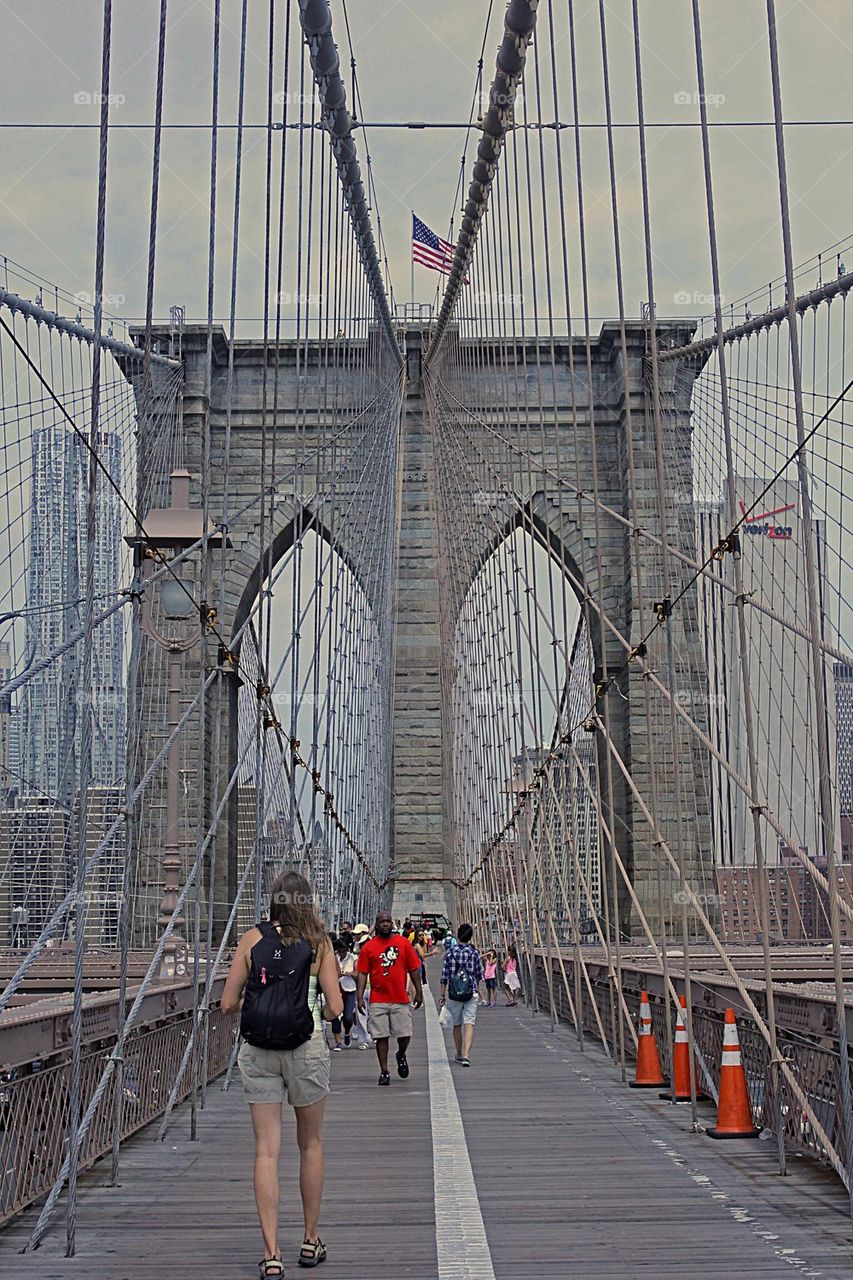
662	609
728	545
226	658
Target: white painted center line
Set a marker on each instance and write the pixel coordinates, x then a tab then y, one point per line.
460	1236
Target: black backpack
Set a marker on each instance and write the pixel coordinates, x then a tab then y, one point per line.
460	987
275	1005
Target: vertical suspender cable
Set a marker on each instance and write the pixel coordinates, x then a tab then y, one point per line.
85	685
664	543
812	599
206	577
629	433
740	599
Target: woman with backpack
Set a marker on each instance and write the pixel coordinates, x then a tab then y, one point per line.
285	977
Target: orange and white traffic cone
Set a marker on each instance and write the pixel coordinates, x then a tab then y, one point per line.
648	1074
680	1091
734	1114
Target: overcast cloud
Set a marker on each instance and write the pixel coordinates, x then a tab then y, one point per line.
417	62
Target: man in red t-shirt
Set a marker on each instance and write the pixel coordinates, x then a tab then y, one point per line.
389	960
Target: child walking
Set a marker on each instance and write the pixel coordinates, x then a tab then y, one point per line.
490	977
512	983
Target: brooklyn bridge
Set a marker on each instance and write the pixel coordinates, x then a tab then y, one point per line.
516	593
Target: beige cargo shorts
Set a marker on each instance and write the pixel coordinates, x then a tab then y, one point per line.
299	1075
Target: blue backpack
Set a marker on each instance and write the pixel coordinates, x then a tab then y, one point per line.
461	985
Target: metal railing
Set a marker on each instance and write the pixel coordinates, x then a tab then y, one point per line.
34	1102
817	1066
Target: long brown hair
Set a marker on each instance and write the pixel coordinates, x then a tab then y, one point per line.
292	909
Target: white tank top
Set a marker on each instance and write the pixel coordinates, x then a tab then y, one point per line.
314	1001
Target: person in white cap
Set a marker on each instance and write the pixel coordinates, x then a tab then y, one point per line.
362	1036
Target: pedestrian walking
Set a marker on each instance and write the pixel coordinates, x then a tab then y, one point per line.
342	1027
461	976
281	970
490	977
420	945
512	982
388	960
360	934
361	1035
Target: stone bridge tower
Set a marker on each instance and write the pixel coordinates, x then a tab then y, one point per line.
421	853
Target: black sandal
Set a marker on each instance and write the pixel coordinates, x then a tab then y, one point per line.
311	1255
267	1274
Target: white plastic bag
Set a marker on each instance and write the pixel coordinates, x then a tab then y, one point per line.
445	1018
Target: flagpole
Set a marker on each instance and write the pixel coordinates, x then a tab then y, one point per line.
411	251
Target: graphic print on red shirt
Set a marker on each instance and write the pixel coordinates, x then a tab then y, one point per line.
388	962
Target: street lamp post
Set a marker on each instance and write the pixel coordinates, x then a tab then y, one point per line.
172	530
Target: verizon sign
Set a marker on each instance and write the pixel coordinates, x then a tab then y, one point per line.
764	524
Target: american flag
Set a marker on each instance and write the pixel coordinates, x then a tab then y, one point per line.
429	249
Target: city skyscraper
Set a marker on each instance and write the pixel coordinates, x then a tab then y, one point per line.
10	739
34	841
52	699
843	681
780	671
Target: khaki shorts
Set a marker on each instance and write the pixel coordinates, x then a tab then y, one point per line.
384	1020
300	1075
463	1011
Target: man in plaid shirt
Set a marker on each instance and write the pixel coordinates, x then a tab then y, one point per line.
462	969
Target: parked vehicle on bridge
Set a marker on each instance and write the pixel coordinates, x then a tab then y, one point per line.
437	924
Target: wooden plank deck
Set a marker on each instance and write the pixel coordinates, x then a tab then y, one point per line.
576	1176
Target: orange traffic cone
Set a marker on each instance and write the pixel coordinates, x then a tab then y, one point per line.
648	1074
734	1114
680	1091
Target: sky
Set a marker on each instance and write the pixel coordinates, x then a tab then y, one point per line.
418	63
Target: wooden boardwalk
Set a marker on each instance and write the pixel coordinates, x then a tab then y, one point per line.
576	1177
